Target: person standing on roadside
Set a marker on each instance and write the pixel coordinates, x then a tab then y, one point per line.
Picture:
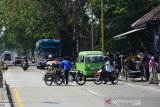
67	66
145	67
153	79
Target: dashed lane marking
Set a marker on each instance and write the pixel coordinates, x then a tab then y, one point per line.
90	91
94	93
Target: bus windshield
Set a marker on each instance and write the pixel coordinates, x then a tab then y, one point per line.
94	58
48	51
50	44
45	47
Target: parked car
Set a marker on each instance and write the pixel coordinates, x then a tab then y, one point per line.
17	60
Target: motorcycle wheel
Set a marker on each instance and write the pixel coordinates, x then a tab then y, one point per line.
115	78
59	79
24	68
97	80
80	79
48	79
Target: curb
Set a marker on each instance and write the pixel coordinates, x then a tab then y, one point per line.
6	86
143	82
157	88
2	99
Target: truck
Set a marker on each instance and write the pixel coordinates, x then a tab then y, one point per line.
7	56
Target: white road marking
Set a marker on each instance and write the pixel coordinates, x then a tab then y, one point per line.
90	91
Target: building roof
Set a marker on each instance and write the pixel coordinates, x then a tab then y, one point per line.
123	35
153	15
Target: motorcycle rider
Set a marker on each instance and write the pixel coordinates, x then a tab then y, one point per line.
24	63
24	60
49	62
50	58
52	62
108	69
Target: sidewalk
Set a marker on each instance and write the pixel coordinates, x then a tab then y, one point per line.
4	101
138	81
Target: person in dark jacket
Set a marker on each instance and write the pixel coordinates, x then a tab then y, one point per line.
67	66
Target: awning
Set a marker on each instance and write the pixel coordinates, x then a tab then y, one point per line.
123	35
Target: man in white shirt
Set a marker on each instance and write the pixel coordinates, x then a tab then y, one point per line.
109	71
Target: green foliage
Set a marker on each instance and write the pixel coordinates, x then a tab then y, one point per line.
119	15
26	21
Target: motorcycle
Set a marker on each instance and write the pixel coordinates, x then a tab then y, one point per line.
75	76
101	76
24	65
33	61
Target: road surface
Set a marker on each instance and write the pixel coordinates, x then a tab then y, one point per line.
29	90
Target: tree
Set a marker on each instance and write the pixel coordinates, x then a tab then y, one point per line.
26	21
119	15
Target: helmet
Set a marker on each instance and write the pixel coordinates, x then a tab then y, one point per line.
50	56
105	58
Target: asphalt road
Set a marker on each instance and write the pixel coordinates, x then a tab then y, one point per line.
28	90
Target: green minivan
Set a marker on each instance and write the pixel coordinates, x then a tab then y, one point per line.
89	62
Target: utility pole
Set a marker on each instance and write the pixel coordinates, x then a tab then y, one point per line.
92	34
102	24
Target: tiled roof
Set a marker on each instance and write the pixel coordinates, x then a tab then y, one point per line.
152	15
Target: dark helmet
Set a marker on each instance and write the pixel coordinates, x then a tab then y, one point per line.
105	58
66	58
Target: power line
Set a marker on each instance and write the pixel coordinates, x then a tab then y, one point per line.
129	14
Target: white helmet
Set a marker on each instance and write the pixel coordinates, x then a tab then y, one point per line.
50	56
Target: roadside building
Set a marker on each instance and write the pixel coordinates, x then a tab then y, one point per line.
147	30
